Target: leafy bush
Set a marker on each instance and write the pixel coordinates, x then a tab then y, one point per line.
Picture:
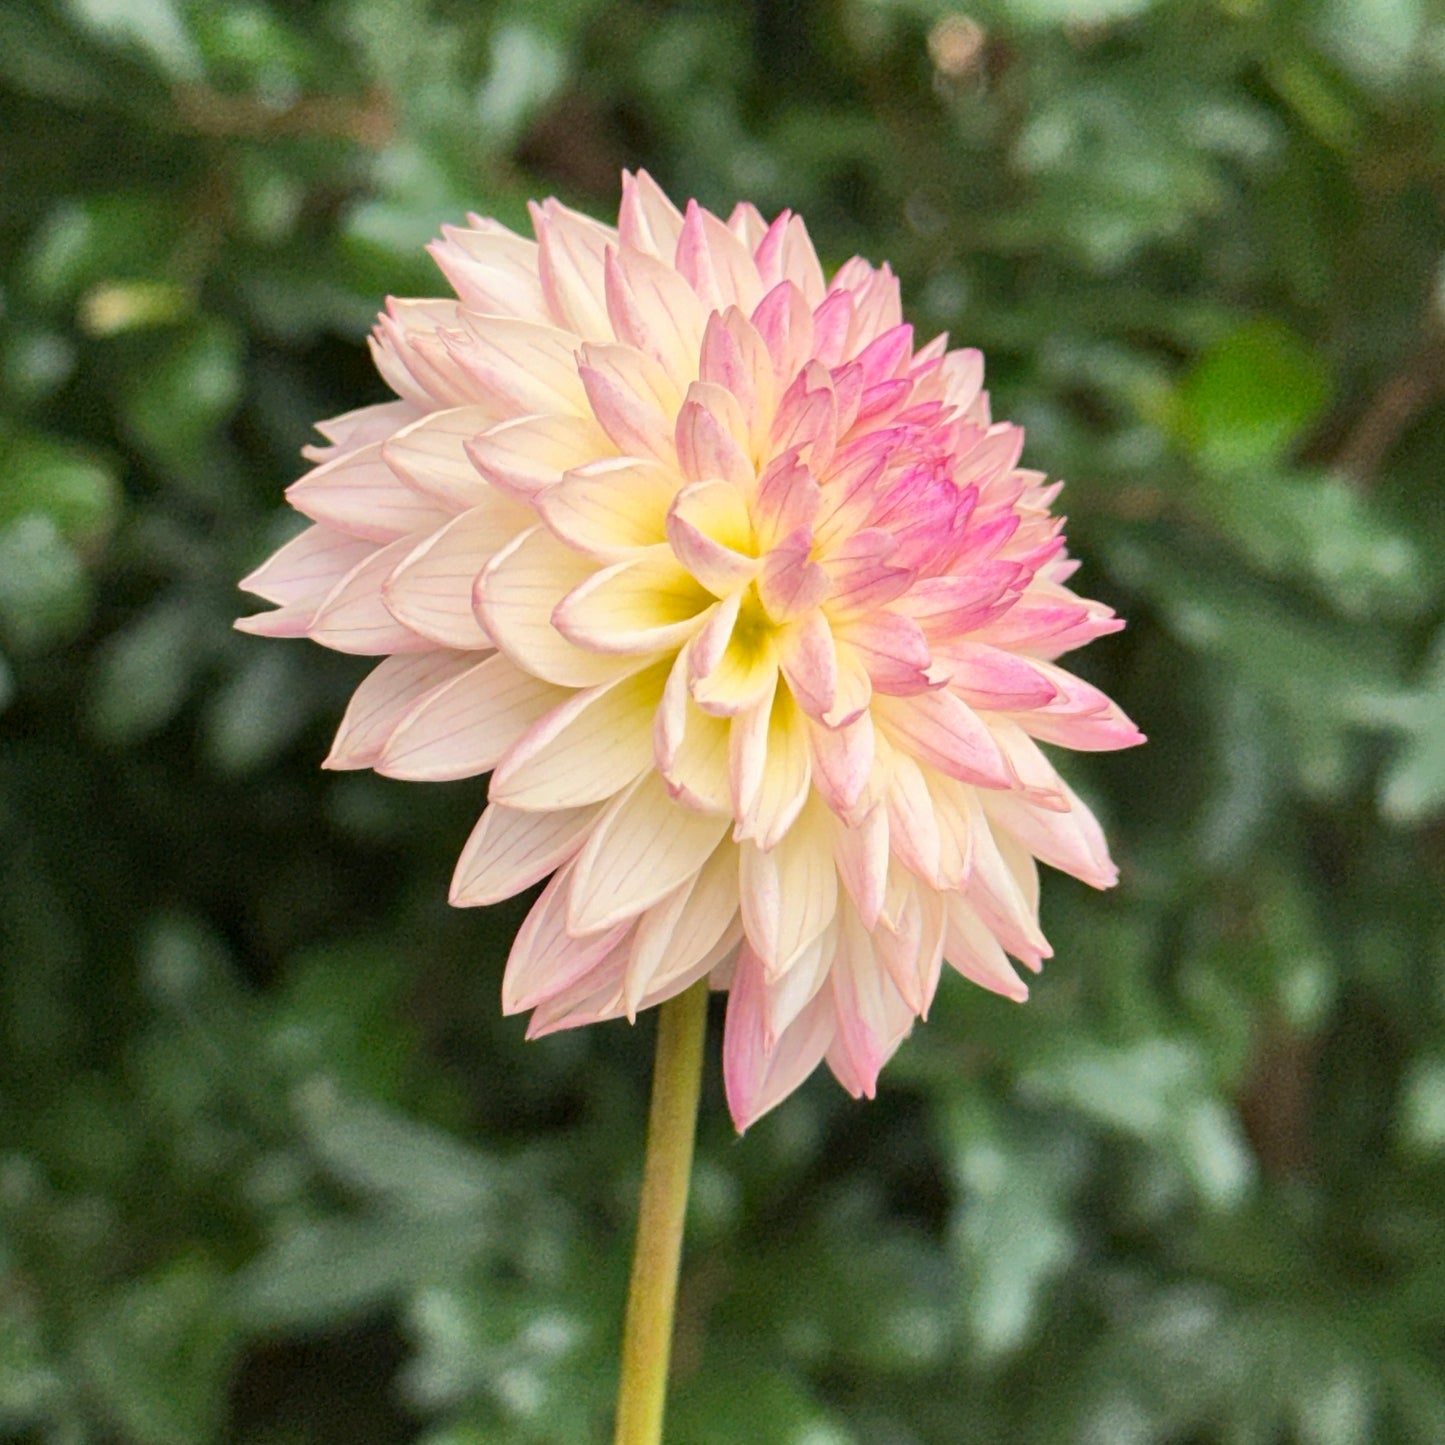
273	1168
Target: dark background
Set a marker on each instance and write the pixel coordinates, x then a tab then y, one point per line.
274	1171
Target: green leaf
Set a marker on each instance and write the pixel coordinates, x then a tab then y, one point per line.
1323	531
144	673
72	485
180	395
1413	786
158	1354
44	591
1247	400
413	1168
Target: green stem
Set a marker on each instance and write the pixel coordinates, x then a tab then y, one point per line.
671	1125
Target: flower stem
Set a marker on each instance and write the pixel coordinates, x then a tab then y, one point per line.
671	1126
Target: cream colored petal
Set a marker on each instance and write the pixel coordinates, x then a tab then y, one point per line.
307	567
759	1069
522	369
353	618
590	747
715	263
492	269
385	696
634	400
411	356
975	952
808	655
1035	776
547	956
786	776
909	945
735	356
843	764
360	427
532	452
649	603
652	308
609	509
518	592
873	1016
571	250
431	590
691	746
734	668
940	729
994	893
712	438
710	534
861	852
913	832
955	805
647	220
431	456
360	495
1072	841
643	847
463	727
510	850
789	995
789	895
675	935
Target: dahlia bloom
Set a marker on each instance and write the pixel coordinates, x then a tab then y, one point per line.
746	605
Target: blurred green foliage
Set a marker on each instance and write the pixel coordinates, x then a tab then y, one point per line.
272	1169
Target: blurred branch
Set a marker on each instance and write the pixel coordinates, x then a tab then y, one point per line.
369	121
1369	442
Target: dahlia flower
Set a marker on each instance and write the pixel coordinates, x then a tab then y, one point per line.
745	603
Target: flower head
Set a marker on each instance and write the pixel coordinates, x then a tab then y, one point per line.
745	603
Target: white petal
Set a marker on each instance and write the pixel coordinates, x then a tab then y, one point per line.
431	456
516	596
522	368
643	847
360	495
386	695
789	895
307	567
591	746
431	591
510	850
463	727
353	618
677	933
546	957
533	452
